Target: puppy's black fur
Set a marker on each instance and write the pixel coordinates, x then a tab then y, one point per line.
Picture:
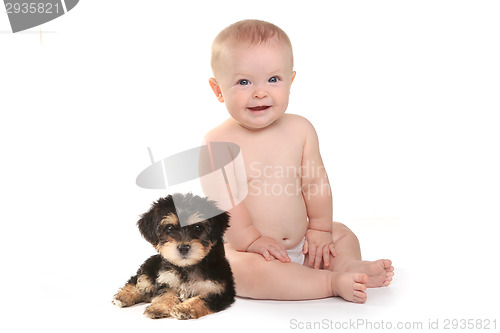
190	277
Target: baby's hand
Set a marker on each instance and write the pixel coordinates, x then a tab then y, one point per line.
269	248
319	245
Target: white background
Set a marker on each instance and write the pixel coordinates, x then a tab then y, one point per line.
404	96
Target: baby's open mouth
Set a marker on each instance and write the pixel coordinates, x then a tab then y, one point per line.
259	108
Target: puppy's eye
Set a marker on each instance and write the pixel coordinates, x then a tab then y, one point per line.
169	228
198	228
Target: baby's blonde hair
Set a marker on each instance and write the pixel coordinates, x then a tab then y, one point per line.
252	32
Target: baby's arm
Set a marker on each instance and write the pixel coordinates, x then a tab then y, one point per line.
318	199
243	236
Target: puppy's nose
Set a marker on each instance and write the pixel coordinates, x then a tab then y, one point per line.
184	248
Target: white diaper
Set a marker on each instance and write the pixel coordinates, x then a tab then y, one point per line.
296	254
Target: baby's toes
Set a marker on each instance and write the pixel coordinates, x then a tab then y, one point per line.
387	281
359	297
389	276
386	263
359	287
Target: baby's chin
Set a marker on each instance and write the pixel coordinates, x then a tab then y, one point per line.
258	123
256	126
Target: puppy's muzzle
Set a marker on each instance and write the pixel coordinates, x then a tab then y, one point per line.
184	249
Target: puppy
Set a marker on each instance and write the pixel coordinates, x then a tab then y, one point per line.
190	277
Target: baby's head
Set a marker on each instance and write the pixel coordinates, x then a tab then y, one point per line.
252	62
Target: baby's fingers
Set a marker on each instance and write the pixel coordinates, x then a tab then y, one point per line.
266	255
315	256
327	250
312	254
318	258
326	256
280	254
331	247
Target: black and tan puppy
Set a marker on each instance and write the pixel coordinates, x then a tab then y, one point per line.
190	277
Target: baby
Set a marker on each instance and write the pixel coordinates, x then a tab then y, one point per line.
282	243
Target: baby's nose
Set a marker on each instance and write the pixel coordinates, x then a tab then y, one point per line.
260	93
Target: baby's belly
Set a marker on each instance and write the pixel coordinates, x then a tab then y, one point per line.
278	211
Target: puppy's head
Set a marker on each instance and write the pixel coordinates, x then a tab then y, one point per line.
183	228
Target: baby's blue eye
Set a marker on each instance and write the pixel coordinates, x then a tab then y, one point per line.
274	79
244	82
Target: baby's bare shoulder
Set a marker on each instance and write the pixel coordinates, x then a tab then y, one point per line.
219	133
299	123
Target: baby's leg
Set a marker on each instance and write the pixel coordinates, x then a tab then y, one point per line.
348	258
257	278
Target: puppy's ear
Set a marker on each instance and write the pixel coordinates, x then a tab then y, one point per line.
148	227
219	225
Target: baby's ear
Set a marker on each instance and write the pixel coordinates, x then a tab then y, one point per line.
148	227
216	88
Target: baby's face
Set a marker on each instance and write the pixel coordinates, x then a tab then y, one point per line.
255	82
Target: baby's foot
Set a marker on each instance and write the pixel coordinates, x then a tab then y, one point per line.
350	286
379	272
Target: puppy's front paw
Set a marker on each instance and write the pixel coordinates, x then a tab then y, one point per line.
183	312
155	311
192	308
127	296
161	306
117	302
